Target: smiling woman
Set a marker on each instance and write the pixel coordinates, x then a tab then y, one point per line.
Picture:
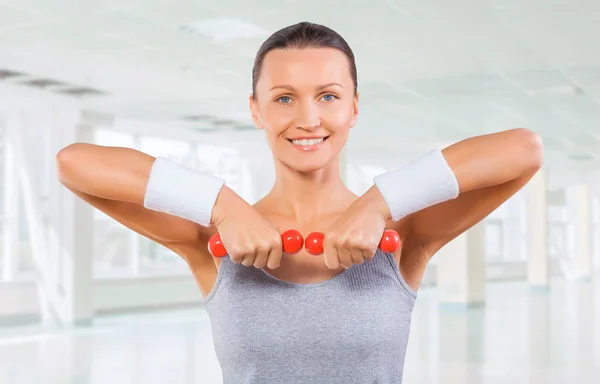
343	316
320	103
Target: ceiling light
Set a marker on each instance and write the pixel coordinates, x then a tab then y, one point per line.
6	73
82	91
44	83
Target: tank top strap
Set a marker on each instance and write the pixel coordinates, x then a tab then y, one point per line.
226	269
391	264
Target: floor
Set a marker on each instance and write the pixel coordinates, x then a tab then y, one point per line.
519	336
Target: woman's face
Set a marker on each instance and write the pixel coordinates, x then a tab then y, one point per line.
306	104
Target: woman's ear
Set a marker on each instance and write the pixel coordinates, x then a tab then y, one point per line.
254	112
354	111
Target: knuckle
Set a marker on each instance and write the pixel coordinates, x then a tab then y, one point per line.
355	243
236	254
331	237
368	247
236	259
275	241
261	247
248	261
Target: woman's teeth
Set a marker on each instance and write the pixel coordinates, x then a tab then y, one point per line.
307	142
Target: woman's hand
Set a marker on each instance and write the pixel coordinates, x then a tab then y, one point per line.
247	236
355	236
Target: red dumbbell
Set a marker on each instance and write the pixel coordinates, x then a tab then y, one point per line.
390	241
291	239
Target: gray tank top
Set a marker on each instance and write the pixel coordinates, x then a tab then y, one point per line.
352	328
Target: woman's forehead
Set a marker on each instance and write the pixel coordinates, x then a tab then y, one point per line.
307	66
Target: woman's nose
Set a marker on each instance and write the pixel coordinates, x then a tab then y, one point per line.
308	117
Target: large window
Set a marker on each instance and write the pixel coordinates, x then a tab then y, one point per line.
596	231
2	187
494	239
505	233
26	265
557	232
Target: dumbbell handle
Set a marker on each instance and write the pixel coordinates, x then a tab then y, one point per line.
389	243
293	242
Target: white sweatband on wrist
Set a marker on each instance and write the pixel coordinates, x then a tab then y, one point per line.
419	184
181	191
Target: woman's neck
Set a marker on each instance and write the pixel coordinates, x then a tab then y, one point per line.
305	197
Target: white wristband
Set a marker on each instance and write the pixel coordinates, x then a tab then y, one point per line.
419	184
181	191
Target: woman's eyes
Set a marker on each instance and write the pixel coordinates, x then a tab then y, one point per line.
286	99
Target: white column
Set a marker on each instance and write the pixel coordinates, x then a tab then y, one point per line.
343	165
595	232
538	268
10	224
514	228
461	270
580	226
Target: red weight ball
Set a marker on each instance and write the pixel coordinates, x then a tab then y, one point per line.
292	241
314	243
390	241
216	247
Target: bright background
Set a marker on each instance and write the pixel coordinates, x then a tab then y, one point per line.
171	78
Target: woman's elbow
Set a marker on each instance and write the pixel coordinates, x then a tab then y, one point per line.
65	159
533	148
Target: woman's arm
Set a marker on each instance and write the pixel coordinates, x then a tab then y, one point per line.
489	170
113	180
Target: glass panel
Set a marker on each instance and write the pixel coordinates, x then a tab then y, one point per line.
157	259
1	253
557	240
26	266
114	138
226	163
2	186
178	151
112	248
493	241
2	164
596	245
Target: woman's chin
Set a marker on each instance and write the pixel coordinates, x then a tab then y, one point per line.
309	164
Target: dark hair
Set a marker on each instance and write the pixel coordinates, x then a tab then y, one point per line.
303	35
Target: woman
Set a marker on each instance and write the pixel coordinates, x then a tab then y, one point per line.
340	318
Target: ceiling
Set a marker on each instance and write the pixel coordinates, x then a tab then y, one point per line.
432	70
